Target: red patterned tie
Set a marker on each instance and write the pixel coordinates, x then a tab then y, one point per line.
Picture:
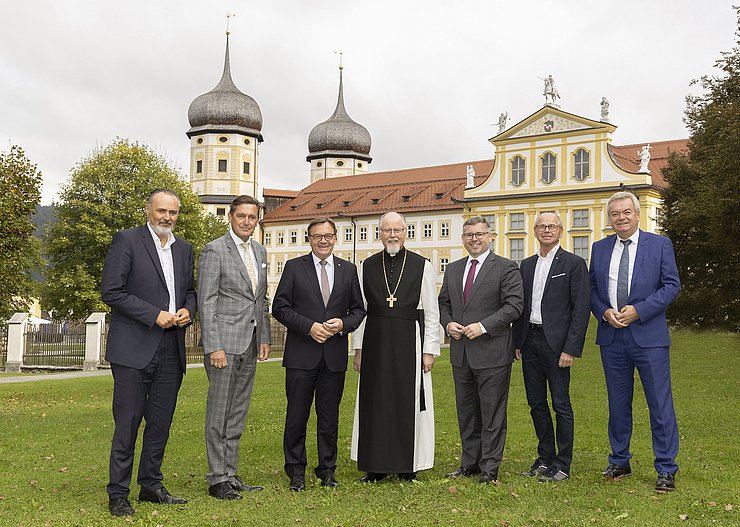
469	280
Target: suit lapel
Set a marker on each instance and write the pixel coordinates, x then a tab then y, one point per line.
456	279
236	256
607	258
639	257
313	279
177	259
148	241
554	269
485	268
338	273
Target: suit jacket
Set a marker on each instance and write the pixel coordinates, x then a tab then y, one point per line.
655	284
230	311
134	287
565	303
298	304
496	301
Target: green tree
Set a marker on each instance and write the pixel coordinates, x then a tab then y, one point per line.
20	193
702	204
106	193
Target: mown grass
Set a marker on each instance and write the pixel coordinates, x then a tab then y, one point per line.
55	437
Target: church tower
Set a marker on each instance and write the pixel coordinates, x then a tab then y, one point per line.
338	146
225	132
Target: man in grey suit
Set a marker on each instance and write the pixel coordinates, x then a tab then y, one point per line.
232	299
481	296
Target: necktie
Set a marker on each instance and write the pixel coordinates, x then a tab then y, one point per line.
324	283
251	271
623	275
469	280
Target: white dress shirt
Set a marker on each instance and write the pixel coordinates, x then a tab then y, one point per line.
614	266
238	241
541	270
329	270
168	266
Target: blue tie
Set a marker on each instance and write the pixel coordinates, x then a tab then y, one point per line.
623	276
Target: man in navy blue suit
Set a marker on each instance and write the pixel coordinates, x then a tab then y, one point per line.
320	302
634	279
148	283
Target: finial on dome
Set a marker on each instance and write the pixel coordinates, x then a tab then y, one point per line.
341	67
228	17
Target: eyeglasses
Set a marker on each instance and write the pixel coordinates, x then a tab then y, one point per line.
551	227
318	237
627	213
392	231
476	235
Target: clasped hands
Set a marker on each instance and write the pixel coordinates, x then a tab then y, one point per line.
456	331
321	332
166	320
623	318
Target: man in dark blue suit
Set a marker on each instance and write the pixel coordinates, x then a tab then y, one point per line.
634	279
148	283
320	302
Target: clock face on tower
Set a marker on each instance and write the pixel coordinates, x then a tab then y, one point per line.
549	126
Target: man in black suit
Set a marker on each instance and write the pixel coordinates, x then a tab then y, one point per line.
148	283
320	302
550	332
481	296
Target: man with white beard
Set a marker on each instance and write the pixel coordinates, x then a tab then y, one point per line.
395	349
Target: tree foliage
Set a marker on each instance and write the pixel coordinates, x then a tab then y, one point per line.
702	204
20	193
106	193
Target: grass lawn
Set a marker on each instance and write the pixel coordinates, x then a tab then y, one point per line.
55	439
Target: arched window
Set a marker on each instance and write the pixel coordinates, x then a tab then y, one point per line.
581	161
517	171
549	172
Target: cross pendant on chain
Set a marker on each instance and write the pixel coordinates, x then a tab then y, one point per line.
391	299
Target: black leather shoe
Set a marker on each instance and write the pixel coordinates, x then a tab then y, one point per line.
121	507
488	477
297	483
554	475
224	491
408	476
372	477
160	496
537	469
237	484
666	482
464	472
329	481
616	471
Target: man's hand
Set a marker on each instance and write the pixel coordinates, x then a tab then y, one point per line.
217	359
473	330
182	317
334	325
455	330
610	315
166	320
427	360
319	333
517	354
566	360
264	352
357	360
627	315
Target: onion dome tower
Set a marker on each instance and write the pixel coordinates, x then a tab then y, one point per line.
225	131
339	146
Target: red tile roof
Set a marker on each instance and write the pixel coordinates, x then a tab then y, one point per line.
374	193
628	157
279	193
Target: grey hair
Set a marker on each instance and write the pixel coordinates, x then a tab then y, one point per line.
618	196
156	191
475	220
557	216
392	213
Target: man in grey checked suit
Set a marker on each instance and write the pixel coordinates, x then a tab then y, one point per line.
232	300
481	296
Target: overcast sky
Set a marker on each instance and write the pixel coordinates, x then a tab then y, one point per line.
427	78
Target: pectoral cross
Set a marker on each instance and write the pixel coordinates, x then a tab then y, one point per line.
390	300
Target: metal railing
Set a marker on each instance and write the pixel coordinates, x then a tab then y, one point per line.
55	344
3	345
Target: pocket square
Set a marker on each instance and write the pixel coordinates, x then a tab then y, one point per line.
558	275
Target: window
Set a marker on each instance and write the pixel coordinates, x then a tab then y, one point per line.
363	234
377	233
246	167
548	168
426	230
280	238
199	166
444	229
581	164
580	218
443	264
340	163
580	247
279	268
305	236
516	221
517	171
247	141
223	139
222	165
411	231
267	267
293	237
347	234
268	238
220	211
516	249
